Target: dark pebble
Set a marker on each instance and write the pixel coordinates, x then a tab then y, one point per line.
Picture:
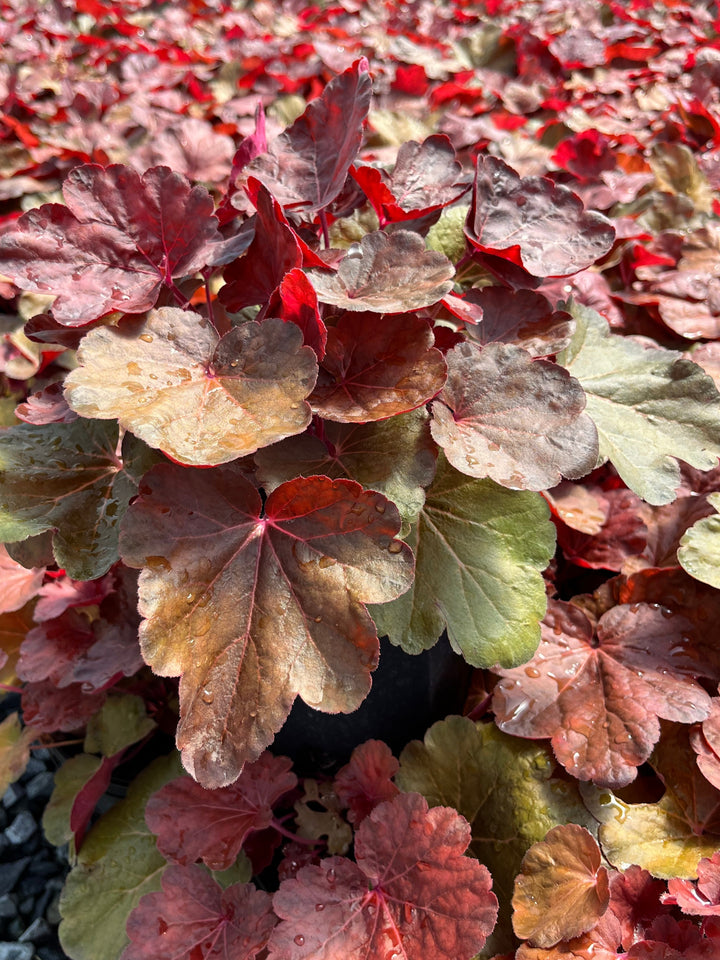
34	766
49	953
22	828
16	951
3	818
43	868
11	796
41	785
31	886
8	907
26	906
38	932
10	873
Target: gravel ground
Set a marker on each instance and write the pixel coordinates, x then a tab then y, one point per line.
32	871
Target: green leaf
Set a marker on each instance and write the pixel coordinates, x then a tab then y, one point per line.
122	720
650	406
67	477
118	863
69	781
480	549
699	551
502	785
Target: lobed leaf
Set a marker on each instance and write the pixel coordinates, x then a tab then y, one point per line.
386	273
699	550
650	406
411	892
535	223
366	780
67	477
377	370
254	606
479	551
203	400
192	823
519	421
119	238
193	918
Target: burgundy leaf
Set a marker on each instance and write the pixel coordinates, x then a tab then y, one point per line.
534	222
411	893
118	240
623	534
306	166
701	898
522	317
193	918
192	823
47	708
366	780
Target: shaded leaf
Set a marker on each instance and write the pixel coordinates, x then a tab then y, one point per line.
121	721
203	400
377	370
70	779
305	167
650	406
318	815
622	535
394	456
699	550
706	744
15	740
480	550
254	607
598	692
118	239
192	823
366	780
48	709
386	273
535	223
520	421
14	627
117	864
67	477
193	918
561	890
411	892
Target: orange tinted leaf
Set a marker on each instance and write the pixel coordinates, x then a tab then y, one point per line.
192	823
561	890
18	584
254	608
517	420
376	370
703	898
193	918
203	400
386	273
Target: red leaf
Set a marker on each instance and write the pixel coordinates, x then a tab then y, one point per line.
87	798
411	893
701	898
192	823
366	780
298	304
376	368
622	535
522	317
598	694
47	708
193	918
115	244
306	166
273	252
534	222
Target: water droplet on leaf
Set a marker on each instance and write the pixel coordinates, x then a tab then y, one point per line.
324	562
207	695
299	940
395	546
146	338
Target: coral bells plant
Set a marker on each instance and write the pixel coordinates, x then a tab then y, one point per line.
281	380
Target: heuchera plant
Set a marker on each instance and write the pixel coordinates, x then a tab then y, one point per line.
289	364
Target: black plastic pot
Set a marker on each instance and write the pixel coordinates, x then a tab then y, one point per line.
409	693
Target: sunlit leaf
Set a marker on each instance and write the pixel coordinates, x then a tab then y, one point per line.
699	550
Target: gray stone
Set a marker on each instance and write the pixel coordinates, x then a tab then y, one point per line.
10	873
22	828
38	932
16	951
11	796
41	785
8	907
34	766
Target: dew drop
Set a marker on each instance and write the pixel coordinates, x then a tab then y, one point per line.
370	909
146	338
207	695
299	940
325	562
158	563
357	508
190	597
317	619
86	687
380	507
395	546
319	907
532	672
331	875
